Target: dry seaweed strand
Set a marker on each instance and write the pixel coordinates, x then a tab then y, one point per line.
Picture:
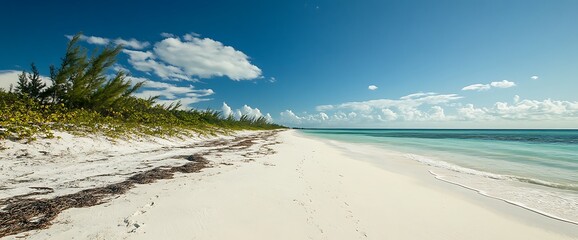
23	214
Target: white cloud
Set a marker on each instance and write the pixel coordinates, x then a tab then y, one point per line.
191	36
206	58
145	61
477	87
534	77
430	109
372	87
10	78
226	110
322	108
388	114
413	107
417	95
131	43
246	110
522	110
288	116
406	102
91	39
535	110
437	114
251	112
191	56
503	84
170	93
167	35
483	87
117	68
469	112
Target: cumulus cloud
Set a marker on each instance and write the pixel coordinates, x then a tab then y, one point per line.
388	114
406	102
226	110
289	117
503	84
246	110
190	57
528	110
535	110
425	109
145	61
469	112
372	87
534	77
251	112
131	43
206	58
169	93
437	114
413	107
477	87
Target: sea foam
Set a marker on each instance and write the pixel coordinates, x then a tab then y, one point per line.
558	201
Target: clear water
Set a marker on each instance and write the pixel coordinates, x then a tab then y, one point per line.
536	169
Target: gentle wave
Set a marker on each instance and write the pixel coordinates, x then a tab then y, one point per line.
557	201
522	205
456	168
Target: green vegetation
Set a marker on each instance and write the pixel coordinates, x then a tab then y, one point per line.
84	99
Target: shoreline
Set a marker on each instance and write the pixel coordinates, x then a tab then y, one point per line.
309	189
475	180
480	192
424	174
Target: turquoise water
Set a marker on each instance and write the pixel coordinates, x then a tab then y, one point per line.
500	159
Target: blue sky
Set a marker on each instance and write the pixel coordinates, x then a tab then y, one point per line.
446	64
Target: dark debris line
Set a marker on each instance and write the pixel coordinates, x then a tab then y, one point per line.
22	215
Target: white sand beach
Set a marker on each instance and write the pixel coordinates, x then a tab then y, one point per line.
308	189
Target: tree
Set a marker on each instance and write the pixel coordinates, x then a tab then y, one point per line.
82	81
30	84
36	85
23	83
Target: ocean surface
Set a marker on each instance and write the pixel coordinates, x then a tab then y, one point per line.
534	169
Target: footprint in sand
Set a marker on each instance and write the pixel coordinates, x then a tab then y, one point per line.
133	225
